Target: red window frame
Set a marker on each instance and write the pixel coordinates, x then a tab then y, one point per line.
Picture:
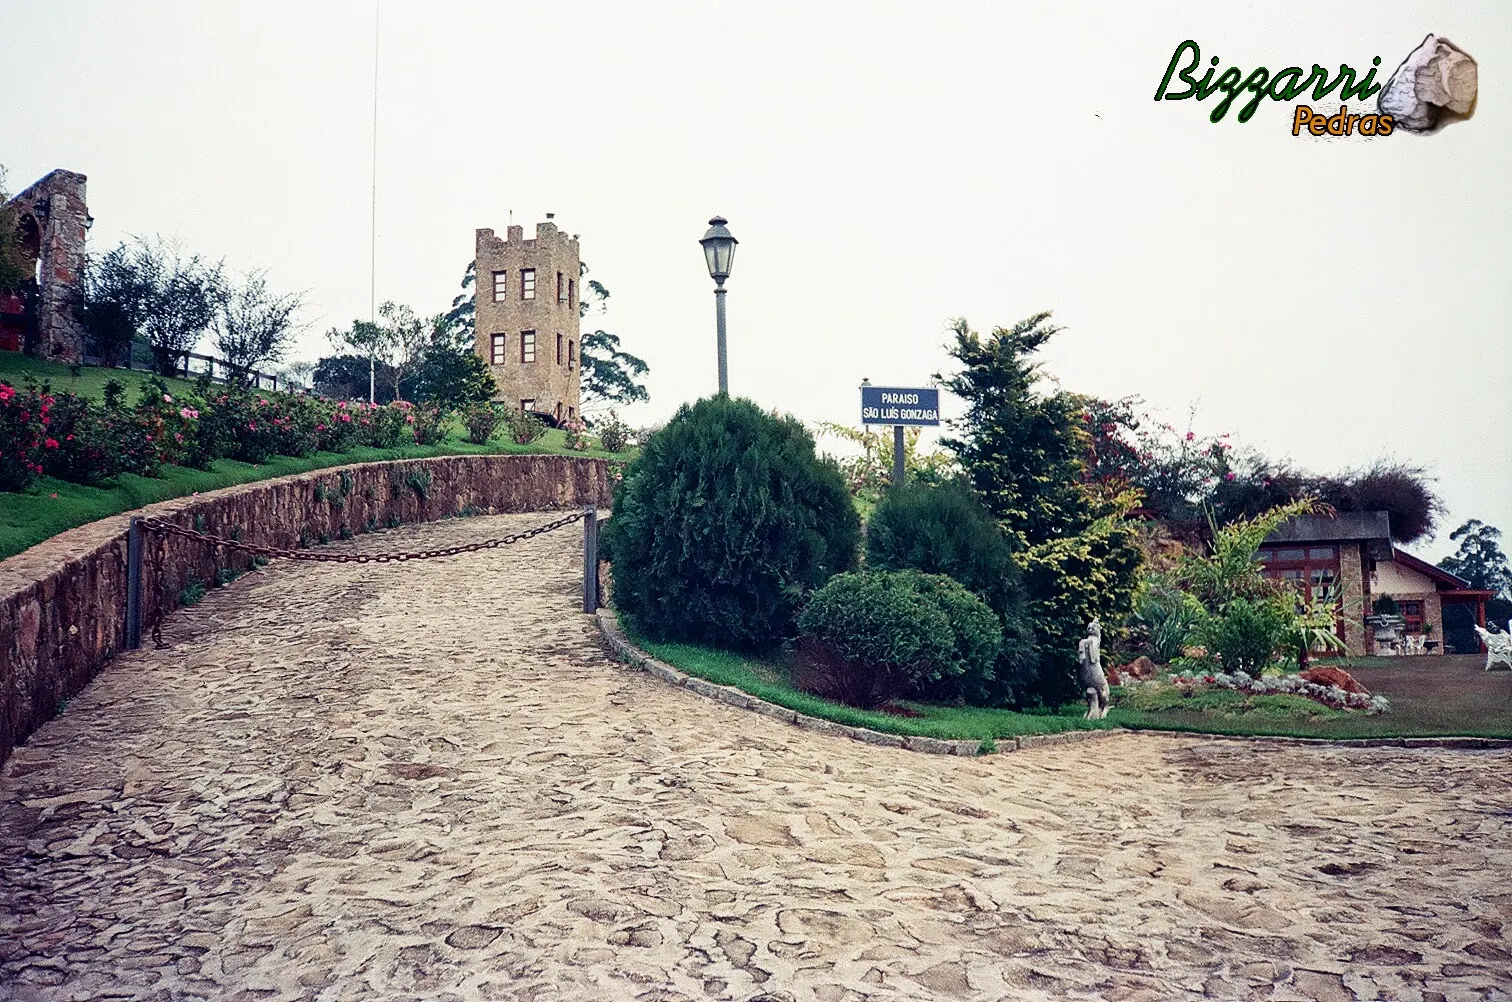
500	350
1307	566
1413	611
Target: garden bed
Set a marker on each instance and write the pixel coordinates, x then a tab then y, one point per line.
1446	695
769	680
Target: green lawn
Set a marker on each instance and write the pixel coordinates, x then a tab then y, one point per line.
1447	695
768	680
54	506
15	368
1430	696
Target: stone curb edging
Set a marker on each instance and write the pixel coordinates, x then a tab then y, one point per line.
608	625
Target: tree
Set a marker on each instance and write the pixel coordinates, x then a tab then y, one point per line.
345	377
183	295
14	270
609	374
398	341
1479	559
110	301
253	326
451	374
1024	452
462	317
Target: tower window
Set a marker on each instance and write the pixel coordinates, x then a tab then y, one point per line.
571	293
561	289
527	346
527	283
497	356
501	285
559	347
571	354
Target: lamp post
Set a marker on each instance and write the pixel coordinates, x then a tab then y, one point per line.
719	253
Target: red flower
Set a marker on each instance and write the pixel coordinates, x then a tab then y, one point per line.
51	443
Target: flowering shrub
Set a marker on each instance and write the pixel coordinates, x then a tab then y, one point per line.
428	423
24	435
336	425
383	426
614	434
173	426
293	420
84	454
1294	685
577	434
481	420
524	428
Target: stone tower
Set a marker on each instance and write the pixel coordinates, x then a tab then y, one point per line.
526	299
52	218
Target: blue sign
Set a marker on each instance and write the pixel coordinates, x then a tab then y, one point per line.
891	405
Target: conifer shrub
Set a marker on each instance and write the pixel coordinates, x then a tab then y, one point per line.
943	529
724	523
870	637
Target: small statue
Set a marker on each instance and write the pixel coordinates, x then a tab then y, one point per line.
1089	656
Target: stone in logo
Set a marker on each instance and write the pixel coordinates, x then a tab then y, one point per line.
1435	85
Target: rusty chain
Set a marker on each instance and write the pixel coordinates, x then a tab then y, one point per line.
168	528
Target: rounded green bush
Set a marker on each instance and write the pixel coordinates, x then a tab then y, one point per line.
867	638
725	522
943	529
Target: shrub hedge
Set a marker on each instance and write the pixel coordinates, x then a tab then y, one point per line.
724	524
943	529
867	638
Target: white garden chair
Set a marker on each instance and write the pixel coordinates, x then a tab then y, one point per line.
1498	646
1416	644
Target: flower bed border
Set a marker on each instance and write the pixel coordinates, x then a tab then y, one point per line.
619	643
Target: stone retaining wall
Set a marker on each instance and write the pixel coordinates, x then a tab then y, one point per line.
63	602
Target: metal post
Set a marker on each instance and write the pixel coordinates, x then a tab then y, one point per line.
134	584
719	322
897	477
590	560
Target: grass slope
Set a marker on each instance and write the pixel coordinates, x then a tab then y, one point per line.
16	368
55	506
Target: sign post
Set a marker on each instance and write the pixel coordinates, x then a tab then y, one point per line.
899	407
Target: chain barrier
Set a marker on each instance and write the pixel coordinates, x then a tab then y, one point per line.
168	528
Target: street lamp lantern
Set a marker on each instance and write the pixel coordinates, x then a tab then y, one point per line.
719	249
719	255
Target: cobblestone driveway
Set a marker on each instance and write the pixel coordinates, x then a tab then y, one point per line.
427	781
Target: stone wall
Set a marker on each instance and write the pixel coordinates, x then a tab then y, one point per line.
54	218
63	602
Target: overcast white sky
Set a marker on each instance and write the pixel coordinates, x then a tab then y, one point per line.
886	166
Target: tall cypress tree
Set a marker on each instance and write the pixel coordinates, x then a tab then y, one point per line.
1024	451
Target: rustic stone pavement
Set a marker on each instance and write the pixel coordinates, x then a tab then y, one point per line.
427	781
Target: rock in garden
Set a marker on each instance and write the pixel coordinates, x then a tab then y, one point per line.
1336	677
1435	85
1142	668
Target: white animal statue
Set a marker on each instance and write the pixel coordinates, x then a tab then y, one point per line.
1093	680
1498	646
